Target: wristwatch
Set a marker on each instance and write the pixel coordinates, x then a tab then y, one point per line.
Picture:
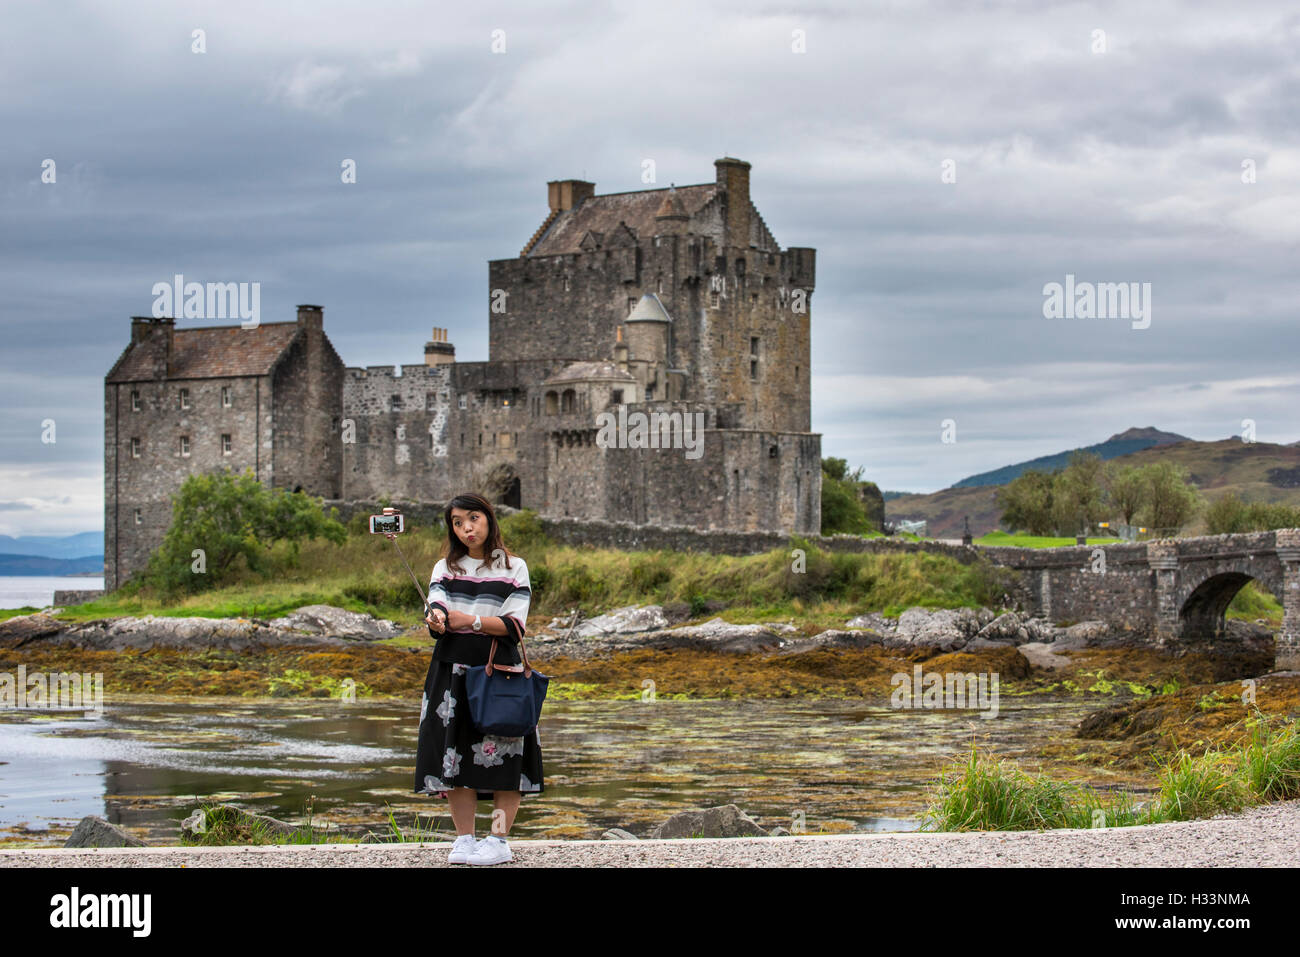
478	623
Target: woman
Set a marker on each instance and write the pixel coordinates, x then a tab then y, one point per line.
479	590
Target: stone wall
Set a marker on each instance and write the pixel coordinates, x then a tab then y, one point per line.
138	491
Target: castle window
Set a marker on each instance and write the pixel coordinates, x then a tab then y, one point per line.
226	399
715	300
462	400
617	397
552	403
185	398
430	441
631	304
568	401
566	283
753	299
480	439
396	403
135	448
139	519
462	440
505	402
661	284
771	451
185	445
430	400
135	401
753	357
225	444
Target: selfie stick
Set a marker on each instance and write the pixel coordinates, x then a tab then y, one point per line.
392	537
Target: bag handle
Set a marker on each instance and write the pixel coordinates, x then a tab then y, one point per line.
491	666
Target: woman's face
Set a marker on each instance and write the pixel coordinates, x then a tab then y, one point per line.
470	526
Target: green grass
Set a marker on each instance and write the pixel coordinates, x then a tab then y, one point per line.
1037	541
982	793
1253	602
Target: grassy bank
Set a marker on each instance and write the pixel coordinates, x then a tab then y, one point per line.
988	794
365	574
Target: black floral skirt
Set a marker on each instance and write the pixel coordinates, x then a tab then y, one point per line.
452	753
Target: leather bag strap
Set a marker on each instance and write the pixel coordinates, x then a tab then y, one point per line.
491	666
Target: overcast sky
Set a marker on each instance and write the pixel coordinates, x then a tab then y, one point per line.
1112	157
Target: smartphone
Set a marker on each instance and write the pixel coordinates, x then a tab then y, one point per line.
387	524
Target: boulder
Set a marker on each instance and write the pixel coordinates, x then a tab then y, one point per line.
1040	655
618	834
831	638
629	620
21	629
94	831
944	628
337	623
726	820
982	643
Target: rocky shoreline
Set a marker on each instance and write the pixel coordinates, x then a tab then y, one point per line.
635	628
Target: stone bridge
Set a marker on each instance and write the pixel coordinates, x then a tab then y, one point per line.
1166	591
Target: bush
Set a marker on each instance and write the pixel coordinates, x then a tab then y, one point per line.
220	520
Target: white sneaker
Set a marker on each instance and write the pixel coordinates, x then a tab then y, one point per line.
491	850
464	846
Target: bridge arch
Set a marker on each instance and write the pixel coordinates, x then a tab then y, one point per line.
1203	613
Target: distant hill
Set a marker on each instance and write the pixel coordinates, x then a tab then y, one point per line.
40	565
54	546
1122	443
1256	472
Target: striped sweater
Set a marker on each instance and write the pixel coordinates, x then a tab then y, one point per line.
498	592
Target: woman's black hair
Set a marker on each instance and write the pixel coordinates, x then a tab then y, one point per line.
453	550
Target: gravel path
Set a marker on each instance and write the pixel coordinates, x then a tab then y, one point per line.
1267	836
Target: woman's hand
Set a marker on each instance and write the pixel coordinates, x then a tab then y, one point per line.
436	620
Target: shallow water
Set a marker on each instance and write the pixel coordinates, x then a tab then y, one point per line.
816	765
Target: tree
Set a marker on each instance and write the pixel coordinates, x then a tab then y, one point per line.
1026	502
842	508
1171	501
218	516
1077	494
1127	490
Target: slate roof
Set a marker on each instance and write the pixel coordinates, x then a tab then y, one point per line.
588	371
602	214
208	352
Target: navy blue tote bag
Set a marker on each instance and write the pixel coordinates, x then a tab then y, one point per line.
505	699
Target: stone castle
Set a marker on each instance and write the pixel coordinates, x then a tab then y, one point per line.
676	303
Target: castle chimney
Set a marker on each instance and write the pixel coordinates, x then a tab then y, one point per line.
311	317
438	351
733	179
140	326
565	194
620	350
